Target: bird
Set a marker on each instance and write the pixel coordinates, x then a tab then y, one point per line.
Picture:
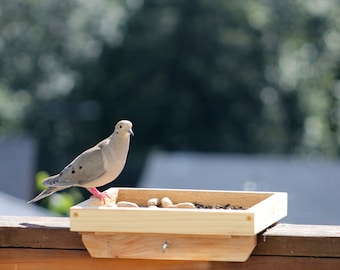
95	167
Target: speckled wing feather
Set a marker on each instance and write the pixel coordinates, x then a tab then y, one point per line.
88	166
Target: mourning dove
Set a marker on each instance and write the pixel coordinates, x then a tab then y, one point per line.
95	167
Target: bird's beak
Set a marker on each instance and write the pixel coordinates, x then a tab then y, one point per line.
131	132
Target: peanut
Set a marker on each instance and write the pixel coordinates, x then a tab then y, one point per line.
184	205
166	202
127	204
153	202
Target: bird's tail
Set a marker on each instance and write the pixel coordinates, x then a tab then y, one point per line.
51	181
45	193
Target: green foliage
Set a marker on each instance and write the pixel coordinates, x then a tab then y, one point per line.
227	76
39	177
60	202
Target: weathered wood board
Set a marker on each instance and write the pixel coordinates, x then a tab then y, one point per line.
36	243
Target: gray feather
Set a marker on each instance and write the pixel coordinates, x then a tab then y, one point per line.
47	192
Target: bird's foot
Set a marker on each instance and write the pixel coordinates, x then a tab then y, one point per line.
100	195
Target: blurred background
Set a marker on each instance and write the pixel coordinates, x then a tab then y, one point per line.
236	82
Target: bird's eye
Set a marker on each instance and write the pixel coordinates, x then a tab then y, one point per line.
120	126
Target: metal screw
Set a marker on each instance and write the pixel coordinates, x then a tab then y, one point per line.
165	246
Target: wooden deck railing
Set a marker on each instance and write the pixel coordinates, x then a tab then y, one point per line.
47	243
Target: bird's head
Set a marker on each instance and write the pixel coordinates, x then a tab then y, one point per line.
124	127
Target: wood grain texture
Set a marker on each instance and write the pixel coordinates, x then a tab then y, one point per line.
179	247
299	240
279	263
208	197
35	243
264	209
42	259
38	232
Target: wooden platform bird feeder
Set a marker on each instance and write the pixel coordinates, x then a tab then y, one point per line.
223	228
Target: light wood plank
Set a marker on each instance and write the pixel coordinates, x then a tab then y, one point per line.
179	247
269	211
268	208
207	197
171	221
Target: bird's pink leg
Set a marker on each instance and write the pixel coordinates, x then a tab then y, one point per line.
96	193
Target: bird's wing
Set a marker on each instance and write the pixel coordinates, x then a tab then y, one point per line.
88	166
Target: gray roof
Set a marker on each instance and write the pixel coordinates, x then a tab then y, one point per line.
17	166
12	206
313	185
